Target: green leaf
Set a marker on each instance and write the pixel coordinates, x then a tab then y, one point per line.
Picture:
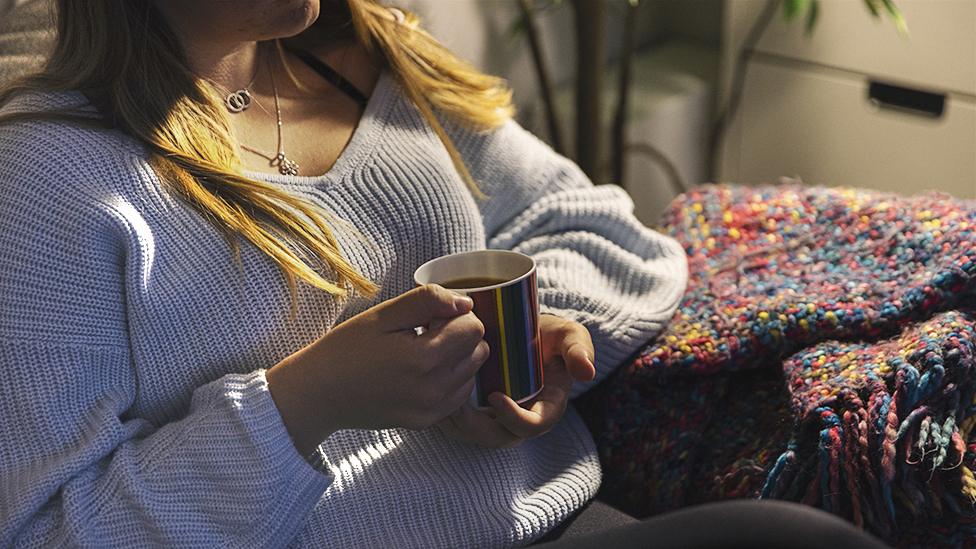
896	14
874	6
812	16
793	8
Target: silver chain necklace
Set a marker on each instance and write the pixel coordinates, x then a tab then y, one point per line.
240	100
284	164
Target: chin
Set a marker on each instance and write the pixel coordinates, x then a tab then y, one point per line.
296	16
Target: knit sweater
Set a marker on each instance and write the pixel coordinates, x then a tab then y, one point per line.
134	407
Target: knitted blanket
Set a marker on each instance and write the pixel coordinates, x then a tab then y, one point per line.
825	352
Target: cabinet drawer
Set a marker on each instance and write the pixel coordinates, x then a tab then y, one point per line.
939	52
819	125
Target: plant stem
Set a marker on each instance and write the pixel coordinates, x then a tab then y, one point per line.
728	111
590	64
623	94
674	177
542	73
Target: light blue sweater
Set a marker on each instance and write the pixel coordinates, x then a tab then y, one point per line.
134	409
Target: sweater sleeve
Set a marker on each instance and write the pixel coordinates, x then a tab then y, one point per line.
78	465
597	264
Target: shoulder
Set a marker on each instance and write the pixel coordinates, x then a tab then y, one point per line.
50	156
506	144
66	183
64	236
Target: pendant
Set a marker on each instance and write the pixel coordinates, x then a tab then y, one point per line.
285	166
238	101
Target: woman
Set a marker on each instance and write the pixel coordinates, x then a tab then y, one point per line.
207	246
206	315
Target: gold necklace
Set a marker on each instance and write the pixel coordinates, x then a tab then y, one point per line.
284	164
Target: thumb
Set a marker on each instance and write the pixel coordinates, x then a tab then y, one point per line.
578	362
421	305
577	352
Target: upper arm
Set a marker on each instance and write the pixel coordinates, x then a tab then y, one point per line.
82	463
61	258
514	169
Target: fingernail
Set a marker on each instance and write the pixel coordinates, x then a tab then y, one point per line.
463	303
586	357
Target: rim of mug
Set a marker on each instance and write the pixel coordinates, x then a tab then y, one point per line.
474	252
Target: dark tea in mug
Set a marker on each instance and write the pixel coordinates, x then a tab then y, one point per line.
472	282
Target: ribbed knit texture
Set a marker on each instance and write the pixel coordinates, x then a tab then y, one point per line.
134	409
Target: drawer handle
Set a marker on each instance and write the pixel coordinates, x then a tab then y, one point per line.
922	103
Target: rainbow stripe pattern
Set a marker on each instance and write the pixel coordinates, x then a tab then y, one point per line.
514	366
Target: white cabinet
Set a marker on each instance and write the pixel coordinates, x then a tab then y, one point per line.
939	50
823	128
807	111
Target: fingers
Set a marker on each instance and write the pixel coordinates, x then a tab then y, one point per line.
420	306
456	384
576	348
460	397
576	357
466	369
474	427
466	328
448	356
451	382
537	421
447	343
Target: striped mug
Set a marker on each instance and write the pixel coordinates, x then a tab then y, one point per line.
503	286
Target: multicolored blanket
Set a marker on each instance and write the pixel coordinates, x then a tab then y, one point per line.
825	352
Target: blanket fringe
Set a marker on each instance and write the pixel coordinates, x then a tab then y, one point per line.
888	458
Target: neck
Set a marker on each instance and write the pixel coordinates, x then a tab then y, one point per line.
231	66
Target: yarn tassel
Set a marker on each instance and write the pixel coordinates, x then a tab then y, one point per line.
786	459
853	484
968	483
886	424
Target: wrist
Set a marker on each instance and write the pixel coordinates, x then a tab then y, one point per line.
302	410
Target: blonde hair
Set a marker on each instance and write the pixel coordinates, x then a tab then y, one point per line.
136	73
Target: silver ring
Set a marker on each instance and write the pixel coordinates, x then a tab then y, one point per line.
238	101
419	330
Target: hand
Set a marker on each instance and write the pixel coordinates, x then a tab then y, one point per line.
567	355
373	371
